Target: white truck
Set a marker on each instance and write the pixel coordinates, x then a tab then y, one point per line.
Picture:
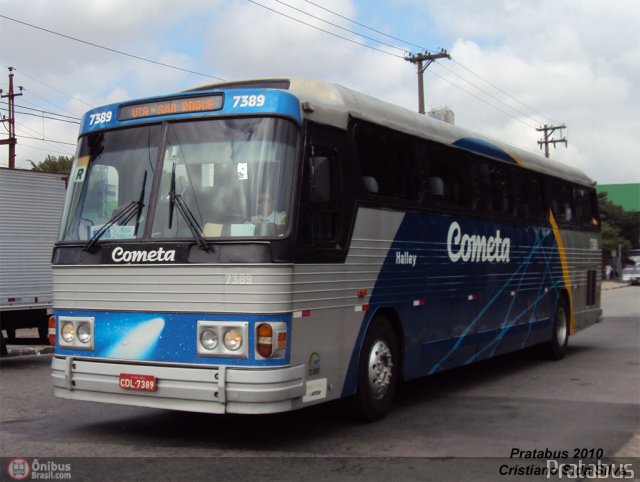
31	204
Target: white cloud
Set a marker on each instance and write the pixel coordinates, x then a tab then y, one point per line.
573	61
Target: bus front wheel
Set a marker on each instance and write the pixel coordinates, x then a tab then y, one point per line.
378	371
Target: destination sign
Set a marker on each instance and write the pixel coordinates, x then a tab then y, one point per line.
185	105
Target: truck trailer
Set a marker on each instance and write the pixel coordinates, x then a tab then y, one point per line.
31	204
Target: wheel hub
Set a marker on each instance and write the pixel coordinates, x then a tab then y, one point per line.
380	364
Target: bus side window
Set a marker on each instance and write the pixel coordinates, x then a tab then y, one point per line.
560	201
390	160
586	215
500	189
320	219
527	195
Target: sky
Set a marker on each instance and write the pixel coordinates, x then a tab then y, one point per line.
515	66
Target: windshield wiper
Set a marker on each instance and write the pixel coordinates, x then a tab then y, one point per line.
140	205
122	217
192	223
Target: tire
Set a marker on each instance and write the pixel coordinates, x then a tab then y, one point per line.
378	372
557	347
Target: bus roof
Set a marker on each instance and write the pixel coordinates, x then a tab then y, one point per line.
334	105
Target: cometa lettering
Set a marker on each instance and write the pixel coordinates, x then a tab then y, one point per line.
160	255
475	248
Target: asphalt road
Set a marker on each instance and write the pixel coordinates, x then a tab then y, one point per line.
459	425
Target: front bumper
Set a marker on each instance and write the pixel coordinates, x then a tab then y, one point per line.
216	389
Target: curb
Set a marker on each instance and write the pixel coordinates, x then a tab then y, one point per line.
613	285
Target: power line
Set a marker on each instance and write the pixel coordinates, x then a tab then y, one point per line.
454	61
42	116
341	28
369	28
43	138
47	140
54	88
323	30
502	91
491	95
48	149
389	53
45	111
109	48
47	101
482	100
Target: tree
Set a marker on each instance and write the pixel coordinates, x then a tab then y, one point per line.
61	164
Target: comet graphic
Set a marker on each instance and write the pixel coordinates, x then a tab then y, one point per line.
139	342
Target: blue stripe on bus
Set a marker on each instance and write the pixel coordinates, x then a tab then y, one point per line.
511	303
483	147
163	337
276	102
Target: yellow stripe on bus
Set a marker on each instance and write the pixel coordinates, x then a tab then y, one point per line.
519	162
565	270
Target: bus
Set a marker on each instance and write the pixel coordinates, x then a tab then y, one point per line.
262	246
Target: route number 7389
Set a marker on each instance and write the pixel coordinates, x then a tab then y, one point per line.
248	101
100	118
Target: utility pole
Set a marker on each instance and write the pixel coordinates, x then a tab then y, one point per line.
12	141
419	59
548	131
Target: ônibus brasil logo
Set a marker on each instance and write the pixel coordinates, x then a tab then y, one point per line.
19	469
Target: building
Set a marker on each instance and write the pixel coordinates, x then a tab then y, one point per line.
444	114
625	195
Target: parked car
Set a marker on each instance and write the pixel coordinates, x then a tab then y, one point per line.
631	275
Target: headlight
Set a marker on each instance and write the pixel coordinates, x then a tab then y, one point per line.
209	339
76	332
224	338
233	339
84	332
68	332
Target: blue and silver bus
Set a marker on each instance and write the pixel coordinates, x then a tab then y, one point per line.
263	246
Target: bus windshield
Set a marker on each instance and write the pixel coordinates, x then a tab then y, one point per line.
231	177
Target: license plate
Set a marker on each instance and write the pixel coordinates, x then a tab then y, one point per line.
144	383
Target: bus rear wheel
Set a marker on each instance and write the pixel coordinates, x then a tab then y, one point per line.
378	371
557	347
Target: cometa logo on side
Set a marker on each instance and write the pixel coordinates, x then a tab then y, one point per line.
475	248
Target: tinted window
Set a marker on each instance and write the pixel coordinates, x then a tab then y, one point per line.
586	209
560	200
387	162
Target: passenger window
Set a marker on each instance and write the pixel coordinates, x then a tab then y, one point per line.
501	201
586	211
527	195
319	222
387	162
561	202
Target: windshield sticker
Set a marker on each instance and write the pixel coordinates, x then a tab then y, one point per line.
115	232
242	229
80	170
